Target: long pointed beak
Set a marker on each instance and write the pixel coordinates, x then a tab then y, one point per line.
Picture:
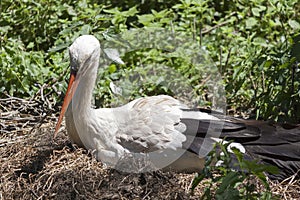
73	83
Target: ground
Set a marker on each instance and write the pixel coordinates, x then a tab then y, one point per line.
33	165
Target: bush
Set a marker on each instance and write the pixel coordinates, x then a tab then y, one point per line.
253	43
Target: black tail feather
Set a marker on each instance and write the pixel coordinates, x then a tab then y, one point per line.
275	144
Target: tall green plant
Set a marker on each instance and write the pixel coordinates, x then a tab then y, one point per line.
222	182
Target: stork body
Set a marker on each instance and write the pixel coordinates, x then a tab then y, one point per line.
158	124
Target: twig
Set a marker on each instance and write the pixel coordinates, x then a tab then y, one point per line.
215	27
218	25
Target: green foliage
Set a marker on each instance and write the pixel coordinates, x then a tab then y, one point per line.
255	45
20	69
157	65
232	184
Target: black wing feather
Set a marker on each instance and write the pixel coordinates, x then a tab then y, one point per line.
275	144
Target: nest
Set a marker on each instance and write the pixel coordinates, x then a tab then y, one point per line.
34	166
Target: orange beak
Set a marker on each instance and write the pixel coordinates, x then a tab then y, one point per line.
73	83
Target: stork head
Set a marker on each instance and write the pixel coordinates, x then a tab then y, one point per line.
82	53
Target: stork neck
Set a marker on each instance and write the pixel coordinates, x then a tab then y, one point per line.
81	102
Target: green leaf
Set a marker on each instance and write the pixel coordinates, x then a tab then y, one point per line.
132	11
112	69
294	24
145	19
256	12
250	22
260	42
30	45
197	179
229	181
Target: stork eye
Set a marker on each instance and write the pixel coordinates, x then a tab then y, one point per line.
74	67
74	63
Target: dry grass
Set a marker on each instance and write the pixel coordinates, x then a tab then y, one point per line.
38	168
33	166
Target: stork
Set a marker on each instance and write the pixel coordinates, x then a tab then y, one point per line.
161	124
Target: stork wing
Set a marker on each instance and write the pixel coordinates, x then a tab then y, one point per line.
149	124
275	144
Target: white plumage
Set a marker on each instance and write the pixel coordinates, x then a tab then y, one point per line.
144	125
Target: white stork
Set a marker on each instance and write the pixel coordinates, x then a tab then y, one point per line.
161	124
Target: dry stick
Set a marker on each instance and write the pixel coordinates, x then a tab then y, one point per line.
215	27
227	59
15	100
263	81
4	108
147	194
8	104
293	88
201	34
218	25
4	142
50	82
40	122
38	125
36	196
221	60
42	91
